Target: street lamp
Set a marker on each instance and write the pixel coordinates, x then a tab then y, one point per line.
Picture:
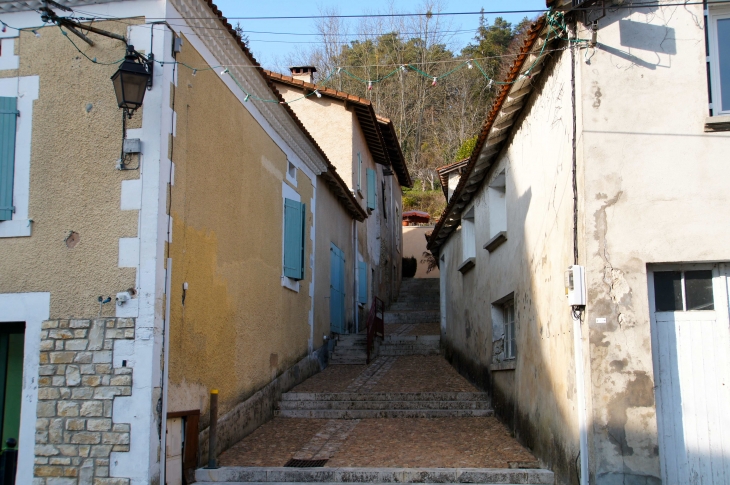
131	80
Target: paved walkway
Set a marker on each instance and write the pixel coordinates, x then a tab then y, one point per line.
475	442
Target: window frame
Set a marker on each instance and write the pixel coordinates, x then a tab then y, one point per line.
683	268
510	330
715	13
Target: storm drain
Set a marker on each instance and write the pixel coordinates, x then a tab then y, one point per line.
305	463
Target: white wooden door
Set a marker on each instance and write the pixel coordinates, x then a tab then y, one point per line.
691	355
174	445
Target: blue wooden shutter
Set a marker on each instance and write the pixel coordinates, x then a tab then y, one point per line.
359	171
8	118
293	239
372	189
362	291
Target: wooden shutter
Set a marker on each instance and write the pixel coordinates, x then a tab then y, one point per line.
294	229
359	171
362	287
8	118
372	189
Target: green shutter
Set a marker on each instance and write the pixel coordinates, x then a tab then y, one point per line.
8	118
294	239
362	293
372	189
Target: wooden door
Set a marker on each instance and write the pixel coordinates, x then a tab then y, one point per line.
691	356
337	289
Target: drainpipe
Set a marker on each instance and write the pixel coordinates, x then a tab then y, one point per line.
577	311
356	279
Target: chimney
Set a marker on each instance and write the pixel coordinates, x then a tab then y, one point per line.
303	73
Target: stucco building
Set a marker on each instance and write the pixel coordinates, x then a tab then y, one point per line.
132	285
365	150
601	154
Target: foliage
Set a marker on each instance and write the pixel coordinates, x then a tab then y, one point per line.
431	201
466	148
410	265
239	31
429	259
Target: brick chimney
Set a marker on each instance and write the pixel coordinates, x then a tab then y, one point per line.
303	73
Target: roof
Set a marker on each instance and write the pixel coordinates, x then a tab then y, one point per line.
444	172
417	215
379	132
496	129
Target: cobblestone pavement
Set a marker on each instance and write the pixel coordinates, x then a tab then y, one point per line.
433	443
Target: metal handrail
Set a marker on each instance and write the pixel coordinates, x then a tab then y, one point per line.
376	324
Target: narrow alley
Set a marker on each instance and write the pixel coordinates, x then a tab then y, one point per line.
406	417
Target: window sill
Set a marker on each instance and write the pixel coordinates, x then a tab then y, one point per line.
496	241
16	228
717	123
504	365
467	265
360	194
290	284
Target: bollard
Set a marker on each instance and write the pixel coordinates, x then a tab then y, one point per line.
213	429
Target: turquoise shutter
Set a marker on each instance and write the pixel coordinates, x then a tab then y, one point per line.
8	118
359	171
293	239
372	189
362	292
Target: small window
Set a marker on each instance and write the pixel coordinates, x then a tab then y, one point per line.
496	194
510	340
468	237
372	189
718	24
291	173
677	291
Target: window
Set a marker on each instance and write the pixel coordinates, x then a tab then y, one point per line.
497	203
291	173
385	206
510	340
678	291
362	286
358	177
468	241
372	189
718	47
294	231
8	120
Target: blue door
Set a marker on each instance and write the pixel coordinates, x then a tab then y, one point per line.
337	289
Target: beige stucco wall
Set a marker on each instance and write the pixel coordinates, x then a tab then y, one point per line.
239	328
538	398
414	244
74	184
654	188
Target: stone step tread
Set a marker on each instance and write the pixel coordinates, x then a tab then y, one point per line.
383	414
385	396
411	338
424	476
381	405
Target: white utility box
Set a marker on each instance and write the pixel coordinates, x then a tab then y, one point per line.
575	285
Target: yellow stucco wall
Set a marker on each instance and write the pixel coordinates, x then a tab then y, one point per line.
238	327
74	185
414	244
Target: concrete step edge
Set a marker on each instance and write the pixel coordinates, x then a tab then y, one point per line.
385	396
385	414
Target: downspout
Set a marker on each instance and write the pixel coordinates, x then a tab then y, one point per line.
356	279
576	312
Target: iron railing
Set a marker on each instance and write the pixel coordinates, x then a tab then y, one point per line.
376	324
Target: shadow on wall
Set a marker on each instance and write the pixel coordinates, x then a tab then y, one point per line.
414	244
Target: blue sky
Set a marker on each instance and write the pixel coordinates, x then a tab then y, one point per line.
274	54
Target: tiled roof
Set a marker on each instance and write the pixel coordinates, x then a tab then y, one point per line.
379	132
496	129
444	172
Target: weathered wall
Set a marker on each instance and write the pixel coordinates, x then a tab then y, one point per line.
414	244
74	184
654	190
535	394
237	327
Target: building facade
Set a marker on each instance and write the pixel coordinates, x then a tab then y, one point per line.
590	159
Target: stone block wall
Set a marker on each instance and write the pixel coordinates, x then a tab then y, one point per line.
77	384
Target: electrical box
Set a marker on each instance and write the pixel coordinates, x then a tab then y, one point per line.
575	285
132	145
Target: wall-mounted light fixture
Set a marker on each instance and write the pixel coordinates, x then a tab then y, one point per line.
132	79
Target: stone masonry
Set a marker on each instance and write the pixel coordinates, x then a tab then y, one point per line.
77	385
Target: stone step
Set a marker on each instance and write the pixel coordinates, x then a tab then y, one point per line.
380	405
410	339
403	352
385	396
337	476
384	413
413	316
413	305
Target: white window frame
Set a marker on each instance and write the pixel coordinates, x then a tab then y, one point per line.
683	268
26	90
291	172
715	13
510	328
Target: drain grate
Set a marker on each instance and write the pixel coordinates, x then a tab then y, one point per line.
305	463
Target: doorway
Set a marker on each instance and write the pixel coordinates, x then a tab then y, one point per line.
12	343
337	289
691	355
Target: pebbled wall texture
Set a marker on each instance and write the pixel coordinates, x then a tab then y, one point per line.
77	384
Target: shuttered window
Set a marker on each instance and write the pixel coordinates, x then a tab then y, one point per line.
372	189
8	118
362	287
294	231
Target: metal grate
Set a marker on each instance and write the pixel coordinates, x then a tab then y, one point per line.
305	463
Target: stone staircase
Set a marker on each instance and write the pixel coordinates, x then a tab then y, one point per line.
350	349
418	302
